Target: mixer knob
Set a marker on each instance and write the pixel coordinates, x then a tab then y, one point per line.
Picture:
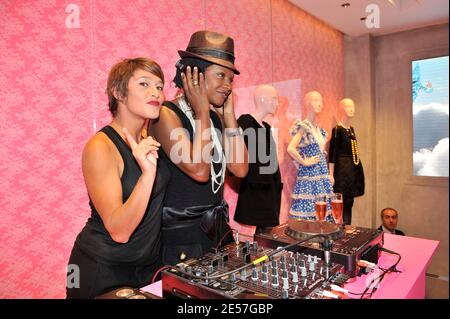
246	258
275	281
243	274
247	244
274	264
312	266
265	269
285	274
233	277
284	294
294	277
283	266
210	269
285	283
303	271
292	260
309	258
274	272
254	274
264	278
293	268
283	259
255	246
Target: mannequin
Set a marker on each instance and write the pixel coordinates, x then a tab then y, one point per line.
307	148
344	162
260	191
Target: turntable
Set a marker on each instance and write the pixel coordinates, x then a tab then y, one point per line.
350	243
303	229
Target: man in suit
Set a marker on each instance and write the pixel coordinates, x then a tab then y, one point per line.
389	217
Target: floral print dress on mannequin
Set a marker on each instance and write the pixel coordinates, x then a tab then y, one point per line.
311	180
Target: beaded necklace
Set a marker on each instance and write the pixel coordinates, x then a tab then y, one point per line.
355	152
218	178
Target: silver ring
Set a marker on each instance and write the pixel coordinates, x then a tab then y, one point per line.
195	83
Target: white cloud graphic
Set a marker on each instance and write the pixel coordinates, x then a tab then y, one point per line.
432	162
433	106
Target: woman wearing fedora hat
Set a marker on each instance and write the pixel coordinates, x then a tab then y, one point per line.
195	215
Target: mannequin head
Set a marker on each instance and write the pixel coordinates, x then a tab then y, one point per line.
347	108
266	99
313	102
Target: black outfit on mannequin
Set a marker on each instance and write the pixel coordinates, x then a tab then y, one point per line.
348	170
259	193
195	219
105	264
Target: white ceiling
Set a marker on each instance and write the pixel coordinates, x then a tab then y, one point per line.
395	15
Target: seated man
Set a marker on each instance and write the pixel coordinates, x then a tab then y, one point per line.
389	217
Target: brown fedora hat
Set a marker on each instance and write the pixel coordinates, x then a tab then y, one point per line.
211	46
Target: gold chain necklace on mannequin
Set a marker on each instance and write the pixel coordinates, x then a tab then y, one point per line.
354	143
355	153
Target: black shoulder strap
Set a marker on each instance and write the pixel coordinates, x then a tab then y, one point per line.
120	144
183	118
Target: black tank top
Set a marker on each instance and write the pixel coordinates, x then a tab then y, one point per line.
143	247
182	190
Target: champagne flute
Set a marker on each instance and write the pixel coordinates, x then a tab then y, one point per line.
337	207
321	207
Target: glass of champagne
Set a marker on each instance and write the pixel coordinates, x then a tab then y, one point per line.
321	207
337	207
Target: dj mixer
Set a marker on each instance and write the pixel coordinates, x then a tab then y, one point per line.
244	271
297	260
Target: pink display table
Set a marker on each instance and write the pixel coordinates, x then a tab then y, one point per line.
408	284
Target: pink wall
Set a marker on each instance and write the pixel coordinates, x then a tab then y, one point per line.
52	92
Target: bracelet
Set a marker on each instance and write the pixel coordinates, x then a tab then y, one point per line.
231	132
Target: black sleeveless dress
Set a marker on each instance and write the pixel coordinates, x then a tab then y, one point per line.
105	264
348	176
195	219
260	191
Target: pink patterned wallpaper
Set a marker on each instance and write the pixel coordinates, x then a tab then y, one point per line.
54	70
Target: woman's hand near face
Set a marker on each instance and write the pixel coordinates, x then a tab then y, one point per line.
195	90
228	106
145	152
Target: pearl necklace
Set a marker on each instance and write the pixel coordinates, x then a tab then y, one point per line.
217	179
